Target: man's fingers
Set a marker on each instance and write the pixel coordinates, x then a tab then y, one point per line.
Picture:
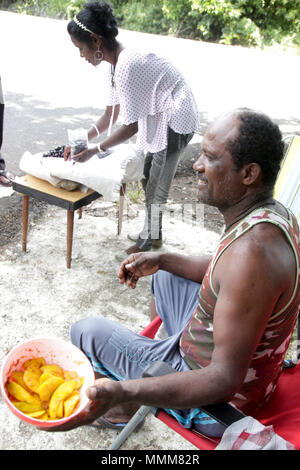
93	393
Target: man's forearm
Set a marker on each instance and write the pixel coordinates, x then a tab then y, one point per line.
180	390
189	267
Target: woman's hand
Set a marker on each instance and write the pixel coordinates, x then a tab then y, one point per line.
85	155
67	152
138	265
103	395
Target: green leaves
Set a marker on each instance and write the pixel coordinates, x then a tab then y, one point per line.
243	22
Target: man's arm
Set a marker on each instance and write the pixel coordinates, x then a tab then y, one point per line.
145	264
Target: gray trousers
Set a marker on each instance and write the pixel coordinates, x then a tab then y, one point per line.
122	354
159	172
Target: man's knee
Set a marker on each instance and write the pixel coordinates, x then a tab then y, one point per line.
86	327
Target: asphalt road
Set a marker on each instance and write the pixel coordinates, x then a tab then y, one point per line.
48	88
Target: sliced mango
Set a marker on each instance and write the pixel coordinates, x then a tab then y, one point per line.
37	414
60	410
70	404
53	369
36	362
31	377
44	417
18	392
60	394
28	407
79	382
47	387
17	376
45	376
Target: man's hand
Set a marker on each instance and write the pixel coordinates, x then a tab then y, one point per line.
138	265
103	395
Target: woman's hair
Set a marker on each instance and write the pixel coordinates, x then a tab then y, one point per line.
259	140
98	18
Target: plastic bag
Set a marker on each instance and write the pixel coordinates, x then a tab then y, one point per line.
78	140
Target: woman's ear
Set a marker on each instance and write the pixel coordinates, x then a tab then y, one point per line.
96	40
252	174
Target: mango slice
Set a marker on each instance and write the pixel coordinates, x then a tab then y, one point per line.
47	387
21	394
70	404
27	407
36	362
60	394
31	378
37	414
45	376
53	369
17	376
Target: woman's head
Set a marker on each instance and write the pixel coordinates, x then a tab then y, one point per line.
95	19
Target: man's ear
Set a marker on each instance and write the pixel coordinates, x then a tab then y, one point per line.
252	174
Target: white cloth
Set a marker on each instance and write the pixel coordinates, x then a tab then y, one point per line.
152	92
249	434
105	175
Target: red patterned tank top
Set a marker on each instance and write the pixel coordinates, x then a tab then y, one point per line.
197	341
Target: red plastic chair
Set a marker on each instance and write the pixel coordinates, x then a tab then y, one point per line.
283	410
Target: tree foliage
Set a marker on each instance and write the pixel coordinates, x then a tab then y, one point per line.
243	22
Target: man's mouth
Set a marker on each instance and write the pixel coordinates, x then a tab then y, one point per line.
202	181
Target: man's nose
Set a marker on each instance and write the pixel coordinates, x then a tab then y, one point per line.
198	165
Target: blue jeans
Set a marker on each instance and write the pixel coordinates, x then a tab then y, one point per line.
159	172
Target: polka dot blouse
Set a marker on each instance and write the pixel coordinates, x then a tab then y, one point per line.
152	92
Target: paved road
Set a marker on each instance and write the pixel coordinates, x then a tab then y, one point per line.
48	88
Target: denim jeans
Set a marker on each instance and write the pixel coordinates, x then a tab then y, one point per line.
159	172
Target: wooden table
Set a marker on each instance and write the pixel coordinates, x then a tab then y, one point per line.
70	200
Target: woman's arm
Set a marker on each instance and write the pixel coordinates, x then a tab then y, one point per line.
120	135
103	122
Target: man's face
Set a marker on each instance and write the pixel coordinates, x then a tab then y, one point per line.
218	181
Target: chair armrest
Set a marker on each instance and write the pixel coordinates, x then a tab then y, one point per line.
224	413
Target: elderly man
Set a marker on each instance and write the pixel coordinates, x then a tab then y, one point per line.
227	341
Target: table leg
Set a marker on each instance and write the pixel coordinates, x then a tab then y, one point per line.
25	210
70	225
